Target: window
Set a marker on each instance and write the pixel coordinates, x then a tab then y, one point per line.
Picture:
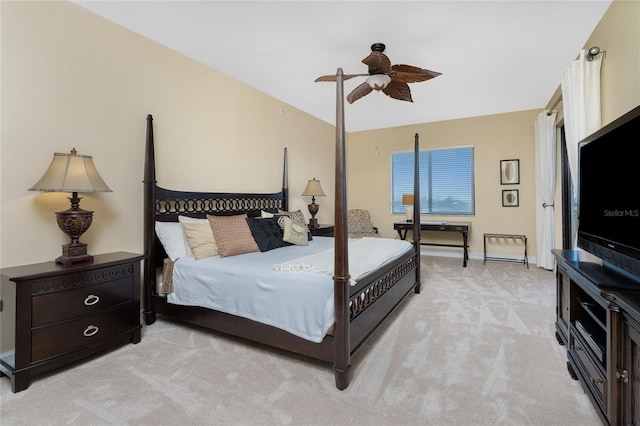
446	181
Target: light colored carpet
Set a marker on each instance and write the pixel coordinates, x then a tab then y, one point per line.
476	347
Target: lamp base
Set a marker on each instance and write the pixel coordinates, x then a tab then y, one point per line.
409	213
313	210
73	253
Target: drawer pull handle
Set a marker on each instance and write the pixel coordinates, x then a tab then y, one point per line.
597	380
624	376
90	331
91	299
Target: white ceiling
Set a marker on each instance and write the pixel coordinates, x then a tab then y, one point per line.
494	56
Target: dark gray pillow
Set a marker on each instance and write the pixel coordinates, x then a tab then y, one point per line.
266	232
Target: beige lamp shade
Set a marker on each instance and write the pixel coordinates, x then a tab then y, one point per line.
313	189
71	173
407	199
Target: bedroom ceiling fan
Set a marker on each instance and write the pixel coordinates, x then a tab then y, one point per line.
390	79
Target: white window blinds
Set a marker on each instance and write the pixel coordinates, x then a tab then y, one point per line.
447	184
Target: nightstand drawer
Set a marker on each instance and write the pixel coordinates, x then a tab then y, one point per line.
63	305
74	335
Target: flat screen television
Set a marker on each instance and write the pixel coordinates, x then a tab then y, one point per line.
609	194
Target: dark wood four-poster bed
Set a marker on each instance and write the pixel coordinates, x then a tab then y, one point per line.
358	308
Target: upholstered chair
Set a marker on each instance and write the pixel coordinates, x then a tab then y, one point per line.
359	224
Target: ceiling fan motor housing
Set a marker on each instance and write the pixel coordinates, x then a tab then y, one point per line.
376	47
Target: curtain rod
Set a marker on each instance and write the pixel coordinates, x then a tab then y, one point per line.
591	53
554	104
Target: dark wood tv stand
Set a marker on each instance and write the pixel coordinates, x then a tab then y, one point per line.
598	318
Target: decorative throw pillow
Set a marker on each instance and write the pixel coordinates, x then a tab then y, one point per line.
187	219
172	238
296	216
281	223
201	240
267	233
232	235
294	232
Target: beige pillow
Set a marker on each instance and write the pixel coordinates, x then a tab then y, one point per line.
187	219
200	239
232	235
294	232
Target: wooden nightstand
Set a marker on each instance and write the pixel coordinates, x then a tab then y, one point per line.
323	231
53	315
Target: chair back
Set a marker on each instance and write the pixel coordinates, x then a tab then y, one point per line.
358	216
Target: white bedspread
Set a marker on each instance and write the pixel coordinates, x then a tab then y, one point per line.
248	286
365	256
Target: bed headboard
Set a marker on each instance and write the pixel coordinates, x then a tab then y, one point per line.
165	205
171	204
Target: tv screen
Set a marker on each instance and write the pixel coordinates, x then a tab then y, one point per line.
609	193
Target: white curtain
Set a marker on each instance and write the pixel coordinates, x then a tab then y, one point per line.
581	105
545	134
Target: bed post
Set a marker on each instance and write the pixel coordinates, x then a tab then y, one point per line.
285	183
149	181
342	348
416	208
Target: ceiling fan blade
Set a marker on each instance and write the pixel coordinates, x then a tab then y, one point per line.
398	90
360	91
411	74
377	61
333	77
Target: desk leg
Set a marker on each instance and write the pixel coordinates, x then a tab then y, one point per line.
402	236
465	239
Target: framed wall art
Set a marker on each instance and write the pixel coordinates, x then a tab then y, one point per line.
510	198
509	172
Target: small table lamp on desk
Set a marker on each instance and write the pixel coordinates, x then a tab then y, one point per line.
407	201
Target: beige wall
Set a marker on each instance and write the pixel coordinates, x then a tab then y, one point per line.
619	34
494	138
72	79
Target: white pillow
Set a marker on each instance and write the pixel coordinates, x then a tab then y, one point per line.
171	235
187	219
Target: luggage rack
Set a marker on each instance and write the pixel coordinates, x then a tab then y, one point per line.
514	237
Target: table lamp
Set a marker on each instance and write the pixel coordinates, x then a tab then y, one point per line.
72	173
407	201
313	190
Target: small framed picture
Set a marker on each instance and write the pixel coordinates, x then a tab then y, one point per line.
509	172
510	198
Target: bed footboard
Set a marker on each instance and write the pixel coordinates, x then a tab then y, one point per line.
373	302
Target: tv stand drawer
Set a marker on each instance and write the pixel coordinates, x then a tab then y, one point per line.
593	375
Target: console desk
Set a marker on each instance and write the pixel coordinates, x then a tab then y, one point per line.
461	227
